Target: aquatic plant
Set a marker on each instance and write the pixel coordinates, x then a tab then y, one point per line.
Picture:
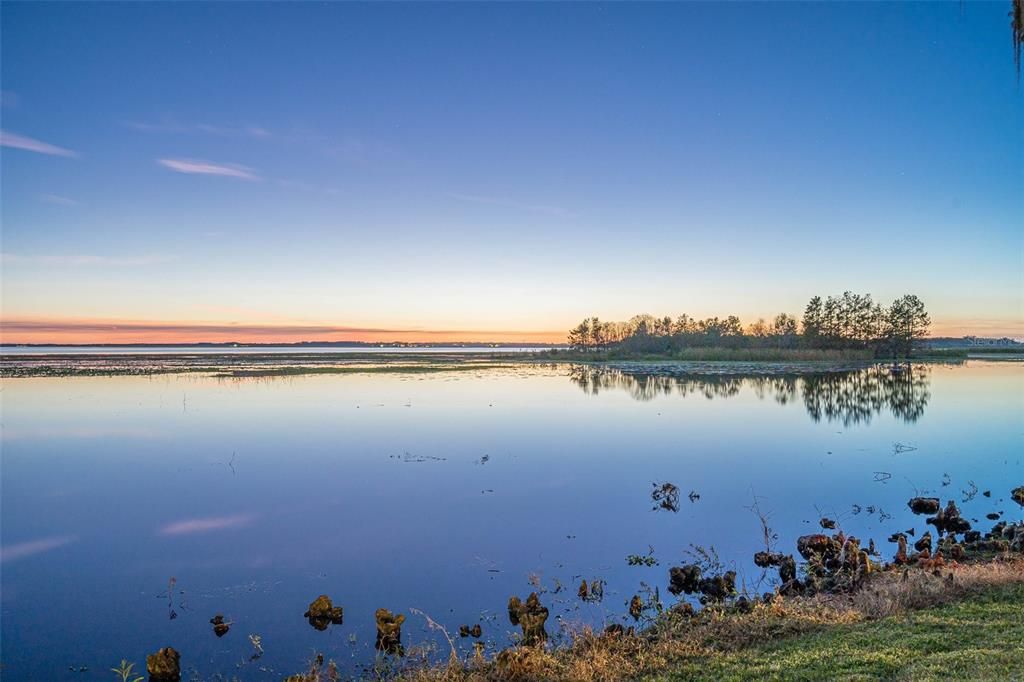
126	671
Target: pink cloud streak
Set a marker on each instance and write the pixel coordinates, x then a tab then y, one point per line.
199	167
15	141
205	525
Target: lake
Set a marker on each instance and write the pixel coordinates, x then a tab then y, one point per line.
446	492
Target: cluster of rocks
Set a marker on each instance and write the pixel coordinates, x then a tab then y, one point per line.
689	579
322	612
530	616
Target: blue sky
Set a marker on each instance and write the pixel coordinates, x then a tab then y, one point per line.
490	168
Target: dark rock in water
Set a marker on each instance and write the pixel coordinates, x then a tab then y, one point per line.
987	493
901	557
992	517
809	545
718	588
766	559
1017	495
615	630
531	616
972	536
220	628
596	590
389	632
895	537
322	613
924	505
949	520
684	579
787	569
164	665
583	592
466	631
827	524
636	607
924	543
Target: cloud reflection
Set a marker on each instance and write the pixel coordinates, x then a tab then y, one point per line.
22	550
207	524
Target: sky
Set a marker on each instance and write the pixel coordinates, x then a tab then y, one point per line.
498	171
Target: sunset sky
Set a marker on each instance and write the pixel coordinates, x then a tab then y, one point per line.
282	172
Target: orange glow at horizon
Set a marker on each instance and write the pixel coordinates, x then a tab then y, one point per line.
150	332
106	331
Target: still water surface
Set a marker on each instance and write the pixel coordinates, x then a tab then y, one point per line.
443	492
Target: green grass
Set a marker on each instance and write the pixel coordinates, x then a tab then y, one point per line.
978	638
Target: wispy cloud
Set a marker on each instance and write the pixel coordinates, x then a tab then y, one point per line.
81	259
508	203
15	141
205	525
22	550
199	167
58	200
170	126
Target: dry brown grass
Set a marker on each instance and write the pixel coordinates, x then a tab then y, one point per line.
676	637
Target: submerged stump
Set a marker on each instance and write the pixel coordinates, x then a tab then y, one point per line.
531	616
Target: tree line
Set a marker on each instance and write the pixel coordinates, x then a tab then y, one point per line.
849	321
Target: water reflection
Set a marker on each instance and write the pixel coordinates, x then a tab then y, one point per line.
850	397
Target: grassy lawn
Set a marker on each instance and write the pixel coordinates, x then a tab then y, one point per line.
979	638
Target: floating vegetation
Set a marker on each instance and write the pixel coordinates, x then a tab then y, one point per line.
694	496
220	627
126	672
900	448
408	457
881	476
665	496
164	665
530	616
827	523
389	632
970	492
636	607
946	480
257	645
643	559
322	613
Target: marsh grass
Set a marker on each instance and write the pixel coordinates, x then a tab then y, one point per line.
951	620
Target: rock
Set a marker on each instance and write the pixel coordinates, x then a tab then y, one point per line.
531	616
466	631
220	628
925	542
684	579
1017	495
924	505
164	665
949	520
809	545
322	613
901	551
389	632
827	524
766	559
787	569
992	516
583	592
718	588
636	607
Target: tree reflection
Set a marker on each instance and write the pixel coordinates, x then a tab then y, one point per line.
850	397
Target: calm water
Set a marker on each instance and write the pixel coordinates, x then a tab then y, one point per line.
443	492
